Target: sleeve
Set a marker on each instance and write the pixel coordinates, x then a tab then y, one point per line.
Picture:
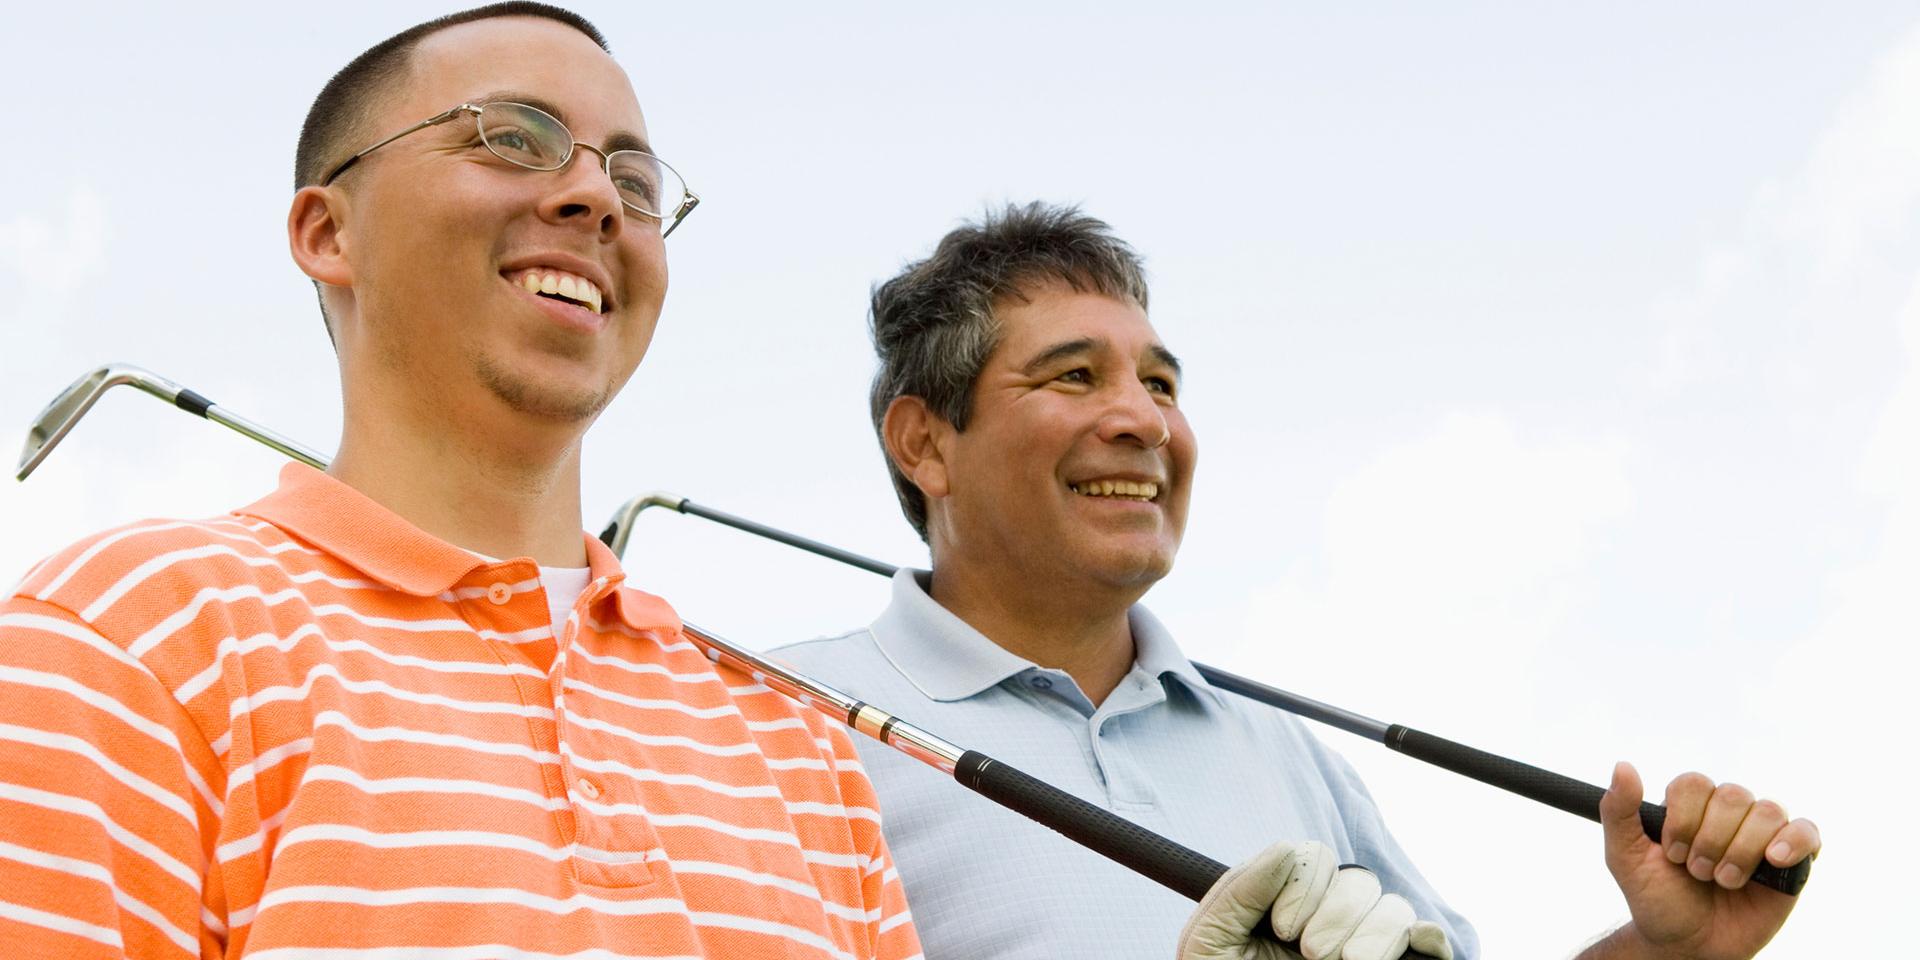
1375	848
890	924
106	813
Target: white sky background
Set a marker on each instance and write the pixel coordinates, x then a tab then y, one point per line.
1557	375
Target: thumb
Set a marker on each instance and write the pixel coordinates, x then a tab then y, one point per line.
1620	813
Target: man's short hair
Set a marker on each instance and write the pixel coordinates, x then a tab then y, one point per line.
338	120
933	324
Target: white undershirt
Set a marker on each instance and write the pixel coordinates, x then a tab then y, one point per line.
563	585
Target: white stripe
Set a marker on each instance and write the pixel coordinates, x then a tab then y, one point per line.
675	779
904	916
745	748
109	540
186	614
757	878
154	566
266	695
602	855
267	761
92	811
334	718
833	810
384	785
847	861
703	713
730	921
341	833
630	666
358	896
235	849
529	635
797	763
172	623
54	921
73	631
122	712
68	743
93	871
233	646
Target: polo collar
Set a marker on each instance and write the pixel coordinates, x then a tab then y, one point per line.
376	541
947	659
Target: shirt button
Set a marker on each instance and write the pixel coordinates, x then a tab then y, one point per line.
587	789
499	593
1041	683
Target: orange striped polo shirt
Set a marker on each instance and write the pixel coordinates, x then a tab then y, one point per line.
309	729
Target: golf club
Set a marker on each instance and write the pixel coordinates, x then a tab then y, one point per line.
1553	789
54	422
1183	870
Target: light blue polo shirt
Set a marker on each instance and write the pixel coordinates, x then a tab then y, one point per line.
1209	769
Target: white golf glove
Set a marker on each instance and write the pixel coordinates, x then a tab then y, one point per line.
1331	911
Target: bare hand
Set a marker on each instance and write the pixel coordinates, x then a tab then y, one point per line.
1689	894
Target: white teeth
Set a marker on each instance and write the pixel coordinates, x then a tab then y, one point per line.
577	288
1126	489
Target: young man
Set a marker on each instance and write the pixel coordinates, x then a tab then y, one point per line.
1030	417
407	707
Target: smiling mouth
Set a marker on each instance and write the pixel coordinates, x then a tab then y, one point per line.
562	286
1117	490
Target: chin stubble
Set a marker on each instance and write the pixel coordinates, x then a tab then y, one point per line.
566	406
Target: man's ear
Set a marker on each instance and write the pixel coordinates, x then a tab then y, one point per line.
918	440
317	235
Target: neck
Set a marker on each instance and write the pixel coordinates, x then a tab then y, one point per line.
1083	632
458	482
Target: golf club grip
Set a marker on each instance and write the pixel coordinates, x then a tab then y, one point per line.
1559	791
1186	872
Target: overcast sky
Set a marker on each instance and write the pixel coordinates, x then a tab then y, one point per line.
1557	375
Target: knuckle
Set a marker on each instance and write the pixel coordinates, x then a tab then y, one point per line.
1769	810
1690	784
1733	795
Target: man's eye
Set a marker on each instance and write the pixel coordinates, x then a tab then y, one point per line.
1077	375
1160	385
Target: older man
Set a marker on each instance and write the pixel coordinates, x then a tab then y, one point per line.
407	707
1030	416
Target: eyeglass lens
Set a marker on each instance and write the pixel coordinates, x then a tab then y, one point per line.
535	139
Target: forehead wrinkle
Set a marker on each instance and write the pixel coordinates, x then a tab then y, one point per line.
617	140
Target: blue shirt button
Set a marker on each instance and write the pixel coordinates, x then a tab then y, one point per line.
1042	683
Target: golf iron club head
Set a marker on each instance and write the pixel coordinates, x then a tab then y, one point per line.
54	422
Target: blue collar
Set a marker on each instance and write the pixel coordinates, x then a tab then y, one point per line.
948	660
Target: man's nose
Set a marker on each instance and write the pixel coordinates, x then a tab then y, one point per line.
585	194
1134	415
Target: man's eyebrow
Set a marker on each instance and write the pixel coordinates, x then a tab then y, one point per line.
617	140
1058	352
1166	356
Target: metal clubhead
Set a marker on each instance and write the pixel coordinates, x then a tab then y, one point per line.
621	527
58	418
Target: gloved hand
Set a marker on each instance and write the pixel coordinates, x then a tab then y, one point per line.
1332	911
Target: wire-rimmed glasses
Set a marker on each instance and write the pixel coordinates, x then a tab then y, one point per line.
533	138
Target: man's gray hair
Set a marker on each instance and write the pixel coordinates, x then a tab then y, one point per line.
933	324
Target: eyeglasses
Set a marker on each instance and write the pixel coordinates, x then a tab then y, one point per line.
533	138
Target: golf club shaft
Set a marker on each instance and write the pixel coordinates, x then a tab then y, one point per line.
1183	870
1553	789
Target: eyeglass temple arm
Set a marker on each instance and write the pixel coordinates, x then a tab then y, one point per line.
422	125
